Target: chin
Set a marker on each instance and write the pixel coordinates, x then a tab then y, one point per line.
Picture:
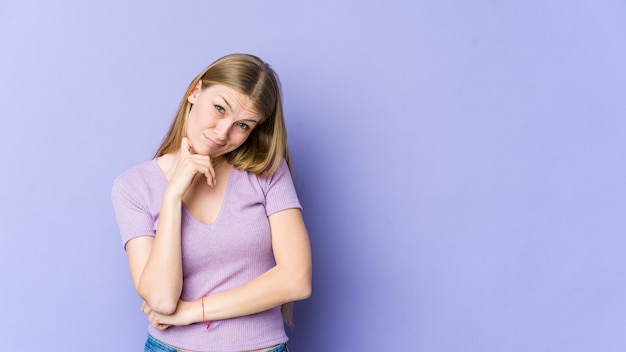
215	155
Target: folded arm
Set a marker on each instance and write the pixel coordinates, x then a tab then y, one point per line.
156	262
288	281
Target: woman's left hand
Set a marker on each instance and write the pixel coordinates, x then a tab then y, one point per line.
162	322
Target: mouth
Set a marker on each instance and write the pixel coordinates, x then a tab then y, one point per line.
213	143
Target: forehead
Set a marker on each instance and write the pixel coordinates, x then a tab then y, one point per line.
236	101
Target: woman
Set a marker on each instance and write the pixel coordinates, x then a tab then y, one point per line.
212	225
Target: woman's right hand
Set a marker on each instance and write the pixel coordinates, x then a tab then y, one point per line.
187	165
186	313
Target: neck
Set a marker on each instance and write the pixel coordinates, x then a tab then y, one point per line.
220	160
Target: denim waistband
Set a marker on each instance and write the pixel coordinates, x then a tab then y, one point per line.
154	345
280	348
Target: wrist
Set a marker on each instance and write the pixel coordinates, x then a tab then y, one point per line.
188	312
204	321
172	196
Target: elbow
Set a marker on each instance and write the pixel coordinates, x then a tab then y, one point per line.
303	293
163	306
300	289
160	303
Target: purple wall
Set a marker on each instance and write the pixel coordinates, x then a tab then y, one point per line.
461	165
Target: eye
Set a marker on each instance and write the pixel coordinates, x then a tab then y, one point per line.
220	109
243	126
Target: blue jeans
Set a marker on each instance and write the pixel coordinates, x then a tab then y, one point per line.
154	345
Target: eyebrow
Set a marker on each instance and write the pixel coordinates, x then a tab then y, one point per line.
230	107
226	101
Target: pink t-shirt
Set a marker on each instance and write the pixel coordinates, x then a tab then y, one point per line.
233	250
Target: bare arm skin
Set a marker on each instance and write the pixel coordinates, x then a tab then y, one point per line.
288	281
156	262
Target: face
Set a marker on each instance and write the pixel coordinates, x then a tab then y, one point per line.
220	120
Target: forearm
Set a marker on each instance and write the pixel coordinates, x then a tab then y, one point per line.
161	280
265	292
289	280
277	286
274	288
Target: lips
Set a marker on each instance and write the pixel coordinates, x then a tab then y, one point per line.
212	143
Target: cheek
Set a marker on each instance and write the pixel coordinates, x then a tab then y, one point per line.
201	118
240	138
192	116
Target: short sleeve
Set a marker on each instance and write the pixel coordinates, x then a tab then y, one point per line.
131	211
280	193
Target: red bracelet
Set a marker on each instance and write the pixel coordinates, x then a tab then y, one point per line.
208	324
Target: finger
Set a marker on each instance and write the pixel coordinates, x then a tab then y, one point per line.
204	165
185	146
153	319
211	180
156	322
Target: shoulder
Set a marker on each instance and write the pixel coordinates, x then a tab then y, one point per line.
265	180
143	170
276	191
142	176
280	181
282	173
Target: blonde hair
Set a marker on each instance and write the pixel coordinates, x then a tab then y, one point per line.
262	152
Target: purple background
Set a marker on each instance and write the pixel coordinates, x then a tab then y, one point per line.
461	165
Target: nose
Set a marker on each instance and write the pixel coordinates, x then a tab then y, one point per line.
222	129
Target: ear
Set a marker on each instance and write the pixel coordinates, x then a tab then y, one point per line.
193	96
